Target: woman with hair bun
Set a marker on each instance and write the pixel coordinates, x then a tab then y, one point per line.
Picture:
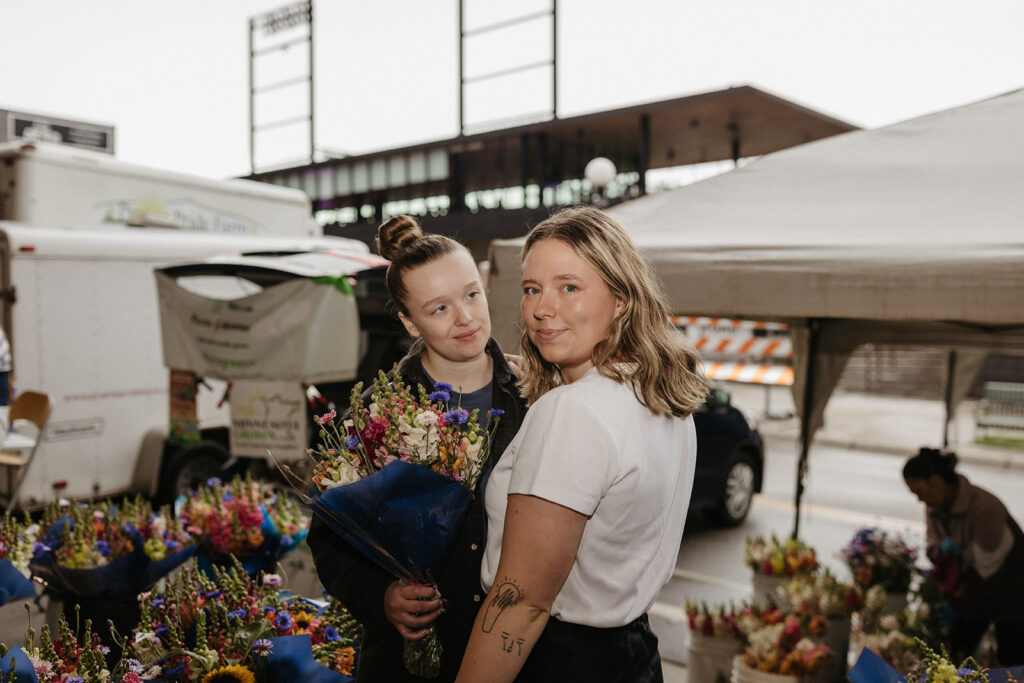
587	505
435	286
972	539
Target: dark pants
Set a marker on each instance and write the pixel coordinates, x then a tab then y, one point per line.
967	633
570	652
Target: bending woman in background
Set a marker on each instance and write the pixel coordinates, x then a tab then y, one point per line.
971	528
435	284
586	507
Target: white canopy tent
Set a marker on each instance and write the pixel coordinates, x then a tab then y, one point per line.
912	233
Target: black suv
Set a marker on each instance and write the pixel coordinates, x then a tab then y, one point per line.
730	461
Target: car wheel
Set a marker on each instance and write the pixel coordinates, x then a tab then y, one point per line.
737	492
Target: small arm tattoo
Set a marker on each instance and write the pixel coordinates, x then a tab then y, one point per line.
506	594
512	645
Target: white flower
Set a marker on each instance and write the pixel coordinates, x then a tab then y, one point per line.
426	419
344	473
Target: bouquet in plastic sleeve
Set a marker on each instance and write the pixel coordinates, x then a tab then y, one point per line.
394	480
107	550
243	518
229	625
17	539
875	557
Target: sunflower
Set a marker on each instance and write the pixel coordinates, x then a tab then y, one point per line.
233	673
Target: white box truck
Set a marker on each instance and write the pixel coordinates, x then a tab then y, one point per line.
79	306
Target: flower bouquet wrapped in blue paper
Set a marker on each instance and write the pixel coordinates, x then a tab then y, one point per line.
103	550
395	479
17	539
932	668
242	518
230	626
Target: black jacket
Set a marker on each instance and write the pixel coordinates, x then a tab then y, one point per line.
360	584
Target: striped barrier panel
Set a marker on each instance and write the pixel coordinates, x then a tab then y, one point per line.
779	375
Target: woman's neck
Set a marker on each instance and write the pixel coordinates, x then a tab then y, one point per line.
464	376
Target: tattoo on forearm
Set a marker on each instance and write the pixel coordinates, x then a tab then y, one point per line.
511	645
506	594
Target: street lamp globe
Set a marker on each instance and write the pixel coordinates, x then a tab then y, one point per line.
600	171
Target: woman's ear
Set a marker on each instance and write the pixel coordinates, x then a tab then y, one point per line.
620	305
410	326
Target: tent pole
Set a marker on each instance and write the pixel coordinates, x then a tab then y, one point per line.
948	397
813	330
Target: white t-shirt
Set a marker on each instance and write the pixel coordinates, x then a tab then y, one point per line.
593	447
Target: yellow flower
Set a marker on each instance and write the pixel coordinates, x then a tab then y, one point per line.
233	673
945	673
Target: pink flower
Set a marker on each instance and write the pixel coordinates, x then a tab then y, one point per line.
132	677
327	417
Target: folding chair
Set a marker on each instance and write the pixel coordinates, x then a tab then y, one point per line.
33	408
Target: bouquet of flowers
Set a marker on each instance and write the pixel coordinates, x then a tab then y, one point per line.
823	594
230	626
875	557
17	538
784	647
773	557
243	518
932	667
395	479
107	550
60	659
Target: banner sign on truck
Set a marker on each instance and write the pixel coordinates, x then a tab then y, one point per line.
304	329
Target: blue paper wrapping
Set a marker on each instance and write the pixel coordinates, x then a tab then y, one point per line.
23	669
291	659
402	517
124	577
13	584
870	668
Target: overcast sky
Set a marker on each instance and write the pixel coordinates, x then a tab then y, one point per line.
172	77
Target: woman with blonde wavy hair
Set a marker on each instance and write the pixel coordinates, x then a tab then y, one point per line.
586	506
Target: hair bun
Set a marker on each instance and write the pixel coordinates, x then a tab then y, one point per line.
395	234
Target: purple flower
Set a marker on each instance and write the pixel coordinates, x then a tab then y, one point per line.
236	614
175	670
496	412
74	679
103	547
135	666
157	603
212	594
283	620
213	481
439	396
352	443
40	549
286	541
443	386
262	647
331	634
170	544
459	416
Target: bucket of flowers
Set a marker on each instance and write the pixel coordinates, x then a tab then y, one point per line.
878	558
822	594
394	480
774	563
781	650
17	538
715	639
242	518
96	557
229	626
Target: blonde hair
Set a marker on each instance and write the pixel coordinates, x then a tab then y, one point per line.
640	350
